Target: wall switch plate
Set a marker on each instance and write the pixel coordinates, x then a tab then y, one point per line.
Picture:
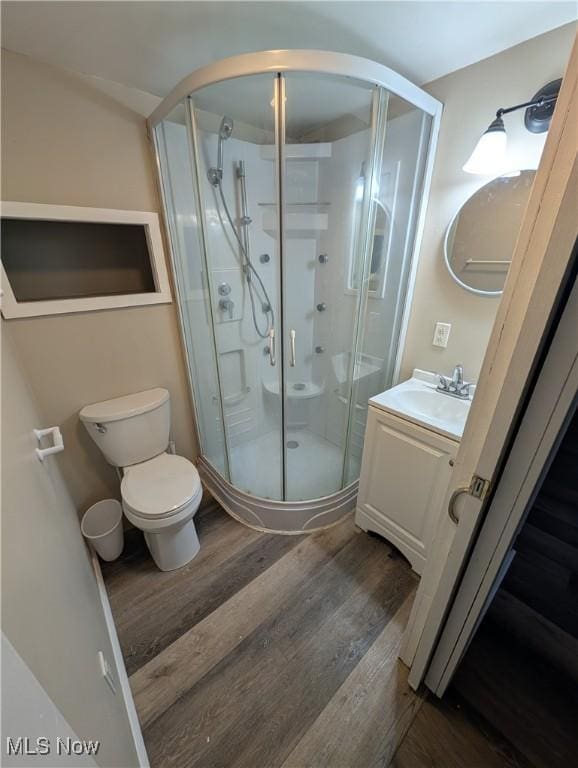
441	334
106	670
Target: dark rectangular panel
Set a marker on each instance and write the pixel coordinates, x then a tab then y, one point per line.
49	260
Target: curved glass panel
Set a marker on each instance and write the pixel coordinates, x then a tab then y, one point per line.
179	198
293	202
396	199
329	125
233	128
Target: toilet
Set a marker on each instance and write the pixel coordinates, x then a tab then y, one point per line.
160	492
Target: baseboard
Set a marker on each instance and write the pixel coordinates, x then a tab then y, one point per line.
135	728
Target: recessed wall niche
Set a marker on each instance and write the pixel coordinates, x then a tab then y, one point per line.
58	259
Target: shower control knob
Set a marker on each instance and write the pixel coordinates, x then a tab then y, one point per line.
226	305
319	350
224	289
321	307
323	258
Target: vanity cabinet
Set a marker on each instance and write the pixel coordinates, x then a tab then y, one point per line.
405	474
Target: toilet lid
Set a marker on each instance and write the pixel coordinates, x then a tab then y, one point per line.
161	485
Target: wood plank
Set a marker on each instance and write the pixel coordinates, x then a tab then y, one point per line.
296	666
364	722
443	736
171	603
129	579
256	703
168	676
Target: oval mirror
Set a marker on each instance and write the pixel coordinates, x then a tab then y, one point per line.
481	237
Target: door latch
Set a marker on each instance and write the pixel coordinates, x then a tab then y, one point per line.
478	488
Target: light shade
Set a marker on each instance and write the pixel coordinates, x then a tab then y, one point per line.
489	155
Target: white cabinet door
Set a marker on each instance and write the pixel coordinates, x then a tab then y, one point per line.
405	473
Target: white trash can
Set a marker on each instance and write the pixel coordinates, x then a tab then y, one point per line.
102	526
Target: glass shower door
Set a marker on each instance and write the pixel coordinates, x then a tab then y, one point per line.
329	129
396	201
293	203
178	190
233	130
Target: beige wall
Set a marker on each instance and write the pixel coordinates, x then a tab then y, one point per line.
65	142
51	610
471	97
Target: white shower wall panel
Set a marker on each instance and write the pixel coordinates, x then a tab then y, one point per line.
300	311
242	362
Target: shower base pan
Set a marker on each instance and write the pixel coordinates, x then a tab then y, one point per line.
289	517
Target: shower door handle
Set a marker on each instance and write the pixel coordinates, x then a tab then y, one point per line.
292	348
272	346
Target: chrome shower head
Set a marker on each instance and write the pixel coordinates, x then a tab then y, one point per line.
225	130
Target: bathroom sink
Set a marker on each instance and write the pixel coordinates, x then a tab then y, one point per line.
418	400
430	403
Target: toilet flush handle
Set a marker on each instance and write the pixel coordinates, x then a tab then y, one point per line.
100	428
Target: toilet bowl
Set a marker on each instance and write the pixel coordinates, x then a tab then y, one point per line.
160	491
160	497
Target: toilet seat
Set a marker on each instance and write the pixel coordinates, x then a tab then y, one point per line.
160	487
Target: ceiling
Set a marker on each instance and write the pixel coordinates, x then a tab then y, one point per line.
152	45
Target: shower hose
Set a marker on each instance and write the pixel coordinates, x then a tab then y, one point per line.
250	272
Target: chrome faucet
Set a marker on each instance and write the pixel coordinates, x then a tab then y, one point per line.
456	386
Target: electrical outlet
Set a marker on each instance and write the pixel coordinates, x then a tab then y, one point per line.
106	670
441	334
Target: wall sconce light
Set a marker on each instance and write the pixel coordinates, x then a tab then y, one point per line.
489	155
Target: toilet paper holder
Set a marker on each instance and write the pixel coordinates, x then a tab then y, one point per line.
57	441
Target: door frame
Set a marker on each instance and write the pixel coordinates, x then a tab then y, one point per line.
542	428
540	262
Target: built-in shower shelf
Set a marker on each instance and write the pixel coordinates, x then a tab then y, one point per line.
300	220
313	151
300	390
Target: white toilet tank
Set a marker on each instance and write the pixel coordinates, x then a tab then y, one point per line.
130	429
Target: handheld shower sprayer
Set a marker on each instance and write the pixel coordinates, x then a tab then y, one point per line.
256	286
225	130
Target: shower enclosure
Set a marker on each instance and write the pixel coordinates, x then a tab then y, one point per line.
294	187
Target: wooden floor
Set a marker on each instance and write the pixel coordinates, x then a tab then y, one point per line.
273	650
